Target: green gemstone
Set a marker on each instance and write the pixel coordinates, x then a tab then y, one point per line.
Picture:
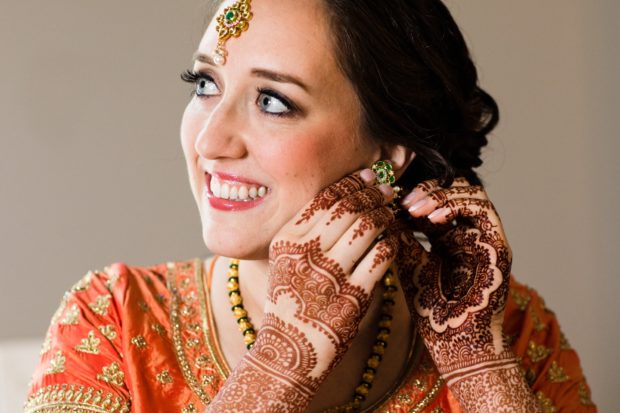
230	16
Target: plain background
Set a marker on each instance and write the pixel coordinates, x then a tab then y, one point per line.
91	169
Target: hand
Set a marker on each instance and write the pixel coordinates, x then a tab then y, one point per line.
459	290
324	265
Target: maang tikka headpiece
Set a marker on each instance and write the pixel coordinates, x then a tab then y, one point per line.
232	22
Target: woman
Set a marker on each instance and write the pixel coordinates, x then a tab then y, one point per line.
340	307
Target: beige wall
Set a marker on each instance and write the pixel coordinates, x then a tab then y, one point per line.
91	171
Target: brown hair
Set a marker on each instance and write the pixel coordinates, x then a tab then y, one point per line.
417	84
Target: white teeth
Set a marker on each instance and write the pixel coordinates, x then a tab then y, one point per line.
225	191
215	187
240	192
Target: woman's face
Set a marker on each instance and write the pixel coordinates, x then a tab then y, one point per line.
270	128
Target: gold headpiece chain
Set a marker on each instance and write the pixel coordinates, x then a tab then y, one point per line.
232	22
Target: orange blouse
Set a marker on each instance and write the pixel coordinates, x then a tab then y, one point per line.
142	339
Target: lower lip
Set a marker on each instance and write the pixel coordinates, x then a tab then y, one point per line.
227	204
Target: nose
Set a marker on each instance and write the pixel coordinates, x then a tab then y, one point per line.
221	133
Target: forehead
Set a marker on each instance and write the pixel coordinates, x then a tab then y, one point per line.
285	35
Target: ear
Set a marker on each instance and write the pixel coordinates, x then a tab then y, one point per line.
401	158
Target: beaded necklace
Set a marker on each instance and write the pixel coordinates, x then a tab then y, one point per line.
378	347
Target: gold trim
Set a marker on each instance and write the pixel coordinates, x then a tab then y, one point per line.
430	396
190	379
75	398
207	321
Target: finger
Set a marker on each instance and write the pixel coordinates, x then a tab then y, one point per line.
328	196
439	197
481	212
374	264
426	187
341	216
352	246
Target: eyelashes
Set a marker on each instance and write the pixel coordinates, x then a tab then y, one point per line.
196	77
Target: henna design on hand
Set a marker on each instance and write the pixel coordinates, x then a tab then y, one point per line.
377	218
320	288
357	203
458	291
327	197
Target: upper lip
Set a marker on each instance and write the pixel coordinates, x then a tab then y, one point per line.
231	177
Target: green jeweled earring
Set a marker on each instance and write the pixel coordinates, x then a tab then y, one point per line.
384	174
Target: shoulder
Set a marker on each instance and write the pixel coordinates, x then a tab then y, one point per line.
84	351
551	365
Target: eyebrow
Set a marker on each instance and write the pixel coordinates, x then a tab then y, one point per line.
264	73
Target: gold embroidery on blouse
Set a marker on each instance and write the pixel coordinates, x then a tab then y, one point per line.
89	344
190	408
202	361
57	364
83	284
187	311
404	398
158	328
207	379
193	327
71	316
164	377
420	385
108	331
521	300
143	306
101	304
537	353
438	410
545	403
59	398
139	342
175	320
185	281
584	395
557	374
206	318
432	393
112	280
47	343
112	374
192	342
190	298
538	325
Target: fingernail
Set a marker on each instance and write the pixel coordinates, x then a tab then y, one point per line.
418	204
436	213
368	175
386	189
408	198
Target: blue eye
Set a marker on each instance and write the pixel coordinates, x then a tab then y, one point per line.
270	102
205	86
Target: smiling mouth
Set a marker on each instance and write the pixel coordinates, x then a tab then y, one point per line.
226	187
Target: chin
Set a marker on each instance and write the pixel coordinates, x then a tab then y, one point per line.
235	244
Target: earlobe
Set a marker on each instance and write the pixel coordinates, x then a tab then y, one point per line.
400	157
